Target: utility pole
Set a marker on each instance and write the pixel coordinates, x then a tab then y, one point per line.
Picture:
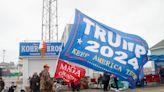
49	21
4	55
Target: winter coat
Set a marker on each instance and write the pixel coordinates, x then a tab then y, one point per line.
46	81
2	85
35	83
12	88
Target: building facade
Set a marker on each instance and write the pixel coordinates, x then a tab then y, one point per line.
157	49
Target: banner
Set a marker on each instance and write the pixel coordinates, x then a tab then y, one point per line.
69	73
32	49
105	49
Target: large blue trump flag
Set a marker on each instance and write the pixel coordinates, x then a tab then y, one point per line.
103	48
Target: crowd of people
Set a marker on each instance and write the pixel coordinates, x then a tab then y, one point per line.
103	81
38	83
42	82
10	89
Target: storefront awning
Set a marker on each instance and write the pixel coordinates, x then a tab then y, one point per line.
156	57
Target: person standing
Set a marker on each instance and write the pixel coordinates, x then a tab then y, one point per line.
106	79
2	84
116	82
161	72
100	80
34	83
75	86
12	87
45	80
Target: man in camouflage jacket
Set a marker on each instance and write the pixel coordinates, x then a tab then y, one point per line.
45	80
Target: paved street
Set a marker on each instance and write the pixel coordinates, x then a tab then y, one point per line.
150	88
157	88
130	90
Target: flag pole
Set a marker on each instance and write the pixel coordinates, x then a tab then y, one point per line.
58	58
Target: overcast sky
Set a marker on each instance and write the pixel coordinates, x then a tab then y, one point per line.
21	19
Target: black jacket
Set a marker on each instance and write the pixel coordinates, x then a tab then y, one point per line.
12	88
34	83
2	84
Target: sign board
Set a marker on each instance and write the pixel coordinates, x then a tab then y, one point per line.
32	49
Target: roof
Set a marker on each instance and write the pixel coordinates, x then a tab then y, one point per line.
158	45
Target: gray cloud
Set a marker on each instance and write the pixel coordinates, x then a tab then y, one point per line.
21	19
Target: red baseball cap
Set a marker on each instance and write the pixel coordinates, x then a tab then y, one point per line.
46	66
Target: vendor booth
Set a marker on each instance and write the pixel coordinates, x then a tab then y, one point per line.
33	59
158	61
159	67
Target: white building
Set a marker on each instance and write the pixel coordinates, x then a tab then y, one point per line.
33	62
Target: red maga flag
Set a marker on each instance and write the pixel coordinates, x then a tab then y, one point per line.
68	72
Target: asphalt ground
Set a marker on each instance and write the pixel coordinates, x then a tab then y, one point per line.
149	88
